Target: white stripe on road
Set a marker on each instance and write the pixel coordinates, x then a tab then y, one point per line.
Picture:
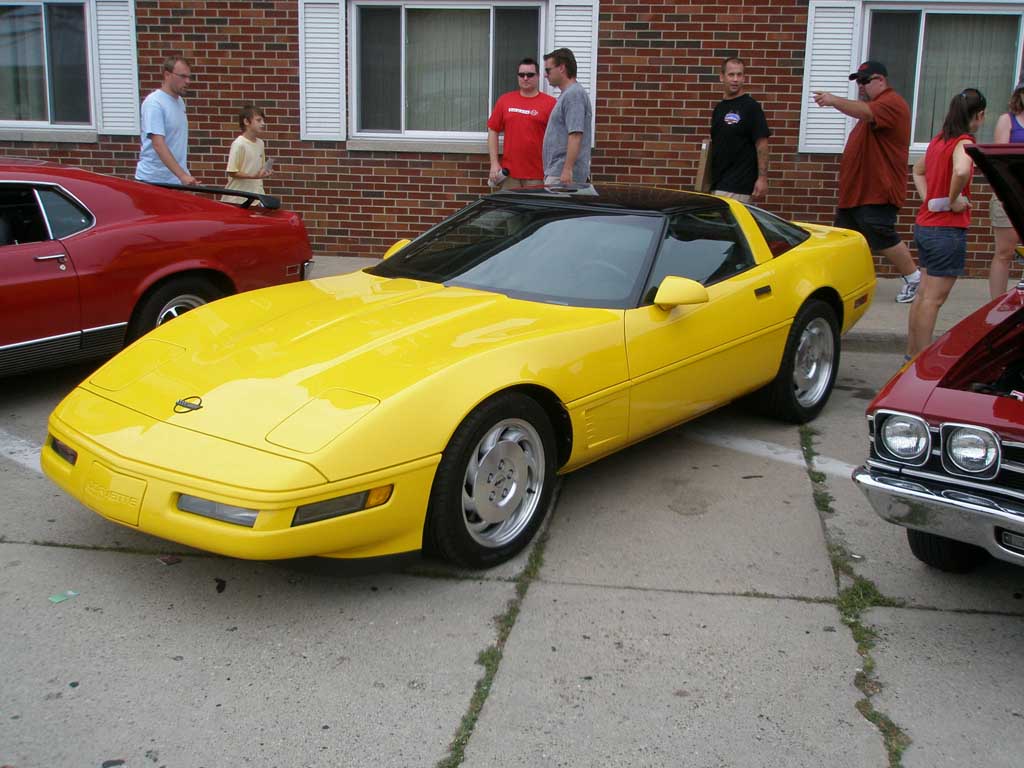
772	451
26	454
21	452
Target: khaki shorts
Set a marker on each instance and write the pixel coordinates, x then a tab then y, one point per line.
997	214
731	195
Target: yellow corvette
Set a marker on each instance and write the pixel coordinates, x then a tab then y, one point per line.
430	401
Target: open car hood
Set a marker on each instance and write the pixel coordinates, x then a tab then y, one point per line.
1003	166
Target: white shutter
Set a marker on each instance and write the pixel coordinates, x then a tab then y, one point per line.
117	68
574	26
322	69
833	47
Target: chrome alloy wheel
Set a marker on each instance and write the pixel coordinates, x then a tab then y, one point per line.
179	305
815	359
503	483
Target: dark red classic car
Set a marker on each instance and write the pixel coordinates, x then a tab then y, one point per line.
90	262
947	432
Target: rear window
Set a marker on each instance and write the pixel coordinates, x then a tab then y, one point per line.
779	234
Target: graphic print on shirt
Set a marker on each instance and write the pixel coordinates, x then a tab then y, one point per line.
732	118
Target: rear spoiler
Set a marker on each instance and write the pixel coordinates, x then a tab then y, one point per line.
269	202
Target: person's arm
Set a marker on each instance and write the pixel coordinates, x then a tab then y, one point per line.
919	179
963	168
164	153
492	150
1002	133
853	108
761	185
572	151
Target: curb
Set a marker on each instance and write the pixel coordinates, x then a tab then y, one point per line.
883	342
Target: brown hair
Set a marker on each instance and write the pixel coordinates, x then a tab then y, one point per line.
1016	105
170	61
249	111
566	57
736	59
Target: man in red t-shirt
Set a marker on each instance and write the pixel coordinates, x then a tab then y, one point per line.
523	117
873	169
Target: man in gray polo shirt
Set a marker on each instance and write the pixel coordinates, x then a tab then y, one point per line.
569	133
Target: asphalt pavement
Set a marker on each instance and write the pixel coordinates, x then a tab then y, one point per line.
719	595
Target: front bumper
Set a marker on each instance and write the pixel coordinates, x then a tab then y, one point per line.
144	497
974	517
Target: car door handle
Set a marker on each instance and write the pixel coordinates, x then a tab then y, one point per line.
764	290
56	256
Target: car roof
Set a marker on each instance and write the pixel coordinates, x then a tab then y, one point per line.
620	196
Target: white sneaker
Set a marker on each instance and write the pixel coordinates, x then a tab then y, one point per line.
908	292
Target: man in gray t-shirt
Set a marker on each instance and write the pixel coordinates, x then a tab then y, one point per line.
569	133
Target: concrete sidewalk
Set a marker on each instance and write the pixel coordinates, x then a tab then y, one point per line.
884	328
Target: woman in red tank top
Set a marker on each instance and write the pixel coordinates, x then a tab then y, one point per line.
942	178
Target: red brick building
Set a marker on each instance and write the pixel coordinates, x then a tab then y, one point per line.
376	108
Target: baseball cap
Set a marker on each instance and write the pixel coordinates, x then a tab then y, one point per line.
869	68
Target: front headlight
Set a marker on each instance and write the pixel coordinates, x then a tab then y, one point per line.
973	450
905	438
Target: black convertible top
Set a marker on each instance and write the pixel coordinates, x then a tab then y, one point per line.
620	196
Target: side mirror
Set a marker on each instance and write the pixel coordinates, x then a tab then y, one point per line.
677	291
396	248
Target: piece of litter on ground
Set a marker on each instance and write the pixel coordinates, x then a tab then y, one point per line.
221	584
169	559
66	595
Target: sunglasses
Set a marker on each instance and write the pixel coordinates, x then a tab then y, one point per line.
866	80
527	74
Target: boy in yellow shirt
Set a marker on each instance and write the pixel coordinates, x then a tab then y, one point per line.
247	164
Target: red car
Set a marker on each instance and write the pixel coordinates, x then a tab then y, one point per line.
91	262
947	432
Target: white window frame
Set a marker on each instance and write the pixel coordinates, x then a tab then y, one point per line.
112	72
408	135
941	7
861	14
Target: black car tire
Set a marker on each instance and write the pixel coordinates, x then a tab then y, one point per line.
945	554
494	483
812	348
169	300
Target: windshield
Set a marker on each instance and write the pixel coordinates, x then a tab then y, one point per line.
550	253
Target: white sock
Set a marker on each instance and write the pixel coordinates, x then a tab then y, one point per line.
914	277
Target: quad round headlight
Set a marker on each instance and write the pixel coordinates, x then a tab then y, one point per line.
971	449
905	437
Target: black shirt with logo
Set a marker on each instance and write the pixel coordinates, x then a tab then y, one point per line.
735	127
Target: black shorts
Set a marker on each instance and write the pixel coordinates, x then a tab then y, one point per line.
876	222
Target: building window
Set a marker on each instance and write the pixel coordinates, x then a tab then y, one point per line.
435	70
933	53
44	64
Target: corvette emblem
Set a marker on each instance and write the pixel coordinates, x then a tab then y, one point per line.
188	404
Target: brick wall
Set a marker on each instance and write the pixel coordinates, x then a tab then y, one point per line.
658	82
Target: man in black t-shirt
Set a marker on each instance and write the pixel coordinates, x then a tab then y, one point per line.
739	140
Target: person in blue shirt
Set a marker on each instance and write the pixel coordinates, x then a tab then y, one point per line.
163	158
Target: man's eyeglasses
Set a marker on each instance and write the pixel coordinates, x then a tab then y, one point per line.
547	70
527	74
183	77
866	80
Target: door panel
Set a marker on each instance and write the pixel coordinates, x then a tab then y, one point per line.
38	293
691	359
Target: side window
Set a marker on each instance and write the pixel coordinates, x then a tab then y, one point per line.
779	234
705	246
21	220
65	217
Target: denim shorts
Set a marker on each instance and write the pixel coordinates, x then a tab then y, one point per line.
876	222
941	250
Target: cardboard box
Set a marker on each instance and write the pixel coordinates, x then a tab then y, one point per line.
703	182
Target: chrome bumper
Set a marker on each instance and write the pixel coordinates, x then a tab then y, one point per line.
929	506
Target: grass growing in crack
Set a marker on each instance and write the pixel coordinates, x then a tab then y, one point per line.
490	657
853	600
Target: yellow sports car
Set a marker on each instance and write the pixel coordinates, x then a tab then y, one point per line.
431	401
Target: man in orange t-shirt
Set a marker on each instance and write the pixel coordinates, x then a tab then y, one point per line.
873	169
523	117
